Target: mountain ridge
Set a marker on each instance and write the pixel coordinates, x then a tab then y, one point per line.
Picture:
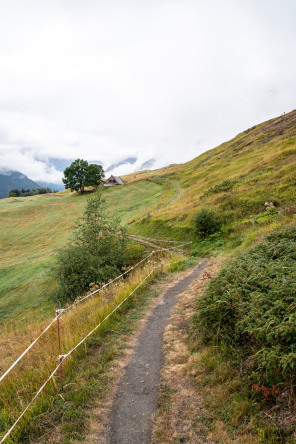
10	180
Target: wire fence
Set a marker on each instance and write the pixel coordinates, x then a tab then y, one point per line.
163	240
63	357
61	311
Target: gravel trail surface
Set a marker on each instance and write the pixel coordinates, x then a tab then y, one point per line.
136	398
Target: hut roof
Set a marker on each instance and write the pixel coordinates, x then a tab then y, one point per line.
119	180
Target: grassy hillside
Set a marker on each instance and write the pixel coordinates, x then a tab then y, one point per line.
34	227
236	179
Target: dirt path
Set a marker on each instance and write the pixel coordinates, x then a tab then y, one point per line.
135	401
182	414
180	192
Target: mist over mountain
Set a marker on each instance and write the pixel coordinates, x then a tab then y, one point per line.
52	185
128	161
129	164
148	164
62	164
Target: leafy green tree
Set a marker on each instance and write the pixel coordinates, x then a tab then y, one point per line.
80	174
97	253
207	222
94	175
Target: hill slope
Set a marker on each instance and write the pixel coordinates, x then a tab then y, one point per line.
237	178
34	227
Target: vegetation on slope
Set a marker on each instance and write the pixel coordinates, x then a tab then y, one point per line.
33	228
236	179
250	307
247	320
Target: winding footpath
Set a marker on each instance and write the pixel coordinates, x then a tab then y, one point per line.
131	417
180	192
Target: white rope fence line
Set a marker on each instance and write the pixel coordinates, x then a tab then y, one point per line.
109	283
62	310
115	279
171	263
63	357
176	247
108	316
163	240
144	240
182	245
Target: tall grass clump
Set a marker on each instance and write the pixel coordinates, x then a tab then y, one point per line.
250	309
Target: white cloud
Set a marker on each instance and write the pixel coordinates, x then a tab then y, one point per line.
107	80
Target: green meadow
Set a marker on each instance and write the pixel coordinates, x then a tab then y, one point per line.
33	228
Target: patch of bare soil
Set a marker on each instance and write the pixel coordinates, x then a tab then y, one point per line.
182	415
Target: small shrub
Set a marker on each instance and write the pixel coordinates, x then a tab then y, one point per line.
222	186
135	252
207	222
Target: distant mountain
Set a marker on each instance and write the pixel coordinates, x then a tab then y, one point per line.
59	164
10	180
127	161
147	165
51	185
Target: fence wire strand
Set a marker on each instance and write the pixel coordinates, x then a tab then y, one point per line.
69	353
90	333
67	308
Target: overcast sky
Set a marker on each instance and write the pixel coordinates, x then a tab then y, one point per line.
164	79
